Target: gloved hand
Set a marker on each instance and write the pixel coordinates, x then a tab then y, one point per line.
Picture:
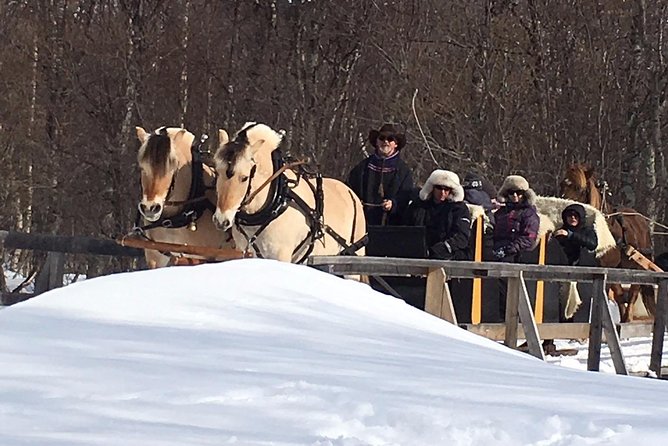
441	250
499	253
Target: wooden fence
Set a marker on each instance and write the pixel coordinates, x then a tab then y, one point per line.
519	316
51	275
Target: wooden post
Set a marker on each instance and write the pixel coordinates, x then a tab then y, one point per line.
51	275
601	320
539	283
659	328
437	299
528	322
476	304
596	324
512	314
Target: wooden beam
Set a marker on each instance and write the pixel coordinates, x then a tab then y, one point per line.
391	266
596	325
659	328
201	251
512	311
14	298
528	321
438	300
611	337
66	244
546	330
476	302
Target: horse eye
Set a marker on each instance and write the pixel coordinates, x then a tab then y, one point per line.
244	178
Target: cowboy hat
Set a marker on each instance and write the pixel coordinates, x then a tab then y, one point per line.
387	130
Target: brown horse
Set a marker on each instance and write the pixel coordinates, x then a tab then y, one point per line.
280	213
178	193
626	225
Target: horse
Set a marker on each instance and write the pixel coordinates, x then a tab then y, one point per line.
178	194
627	226
281	211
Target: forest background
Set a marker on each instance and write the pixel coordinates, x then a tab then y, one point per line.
503	86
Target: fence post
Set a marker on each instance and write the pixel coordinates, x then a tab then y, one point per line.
476	303
601	320
528	321
659	328
512	311
51	275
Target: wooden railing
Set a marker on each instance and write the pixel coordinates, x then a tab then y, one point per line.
519	314
51	274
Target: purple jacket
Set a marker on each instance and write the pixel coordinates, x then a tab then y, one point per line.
516	228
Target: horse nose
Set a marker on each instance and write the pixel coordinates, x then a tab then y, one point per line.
222	224
155	208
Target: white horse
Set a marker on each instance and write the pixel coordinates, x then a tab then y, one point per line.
290	217
178	193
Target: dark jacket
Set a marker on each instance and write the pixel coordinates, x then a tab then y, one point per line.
448	227
516	229
397	186
579	237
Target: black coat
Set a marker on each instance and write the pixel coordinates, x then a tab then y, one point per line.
579	238
397	186
448	227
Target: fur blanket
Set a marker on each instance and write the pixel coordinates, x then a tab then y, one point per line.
550	208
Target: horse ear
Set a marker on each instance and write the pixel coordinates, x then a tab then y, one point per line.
256	146
589	172
223	137
141	134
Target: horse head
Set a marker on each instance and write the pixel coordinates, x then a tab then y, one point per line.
161	154
241	164
580	184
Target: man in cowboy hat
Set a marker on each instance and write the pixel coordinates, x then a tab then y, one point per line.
445	216
383	181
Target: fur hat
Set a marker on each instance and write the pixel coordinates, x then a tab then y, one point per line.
387	130
516	182
443	178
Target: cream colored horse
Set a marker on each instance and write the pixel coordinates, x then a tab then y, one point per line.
169	212
272	223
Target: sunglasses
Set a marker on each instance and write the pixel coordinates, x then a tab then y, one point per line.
519	193
439	187
388	138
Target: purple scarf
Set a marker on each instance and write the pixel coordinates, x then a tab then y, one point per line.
384	165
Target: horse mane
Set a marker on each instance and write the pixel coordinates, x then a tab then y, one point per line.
577	176
156	152
250	134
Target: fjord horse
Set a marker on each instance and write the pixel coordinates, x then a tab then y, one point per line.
178	193
282	213
626	225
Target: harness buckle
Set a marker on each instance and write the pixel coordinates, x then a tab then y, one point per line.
167	223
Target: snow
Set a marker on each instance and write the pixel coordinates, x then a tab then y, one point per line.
257	352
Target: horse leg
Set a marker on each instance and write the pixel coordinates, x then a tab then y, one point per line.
649	299
616	294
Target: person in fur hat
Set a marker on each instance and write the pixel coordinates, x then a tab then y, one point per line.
442	211
516	223
576	234
383	181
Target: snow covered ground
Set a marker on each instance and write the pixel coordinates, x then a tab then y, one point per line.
256	352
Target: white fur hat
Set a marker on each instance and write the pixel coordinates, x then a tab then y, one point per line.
516	182
446	178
